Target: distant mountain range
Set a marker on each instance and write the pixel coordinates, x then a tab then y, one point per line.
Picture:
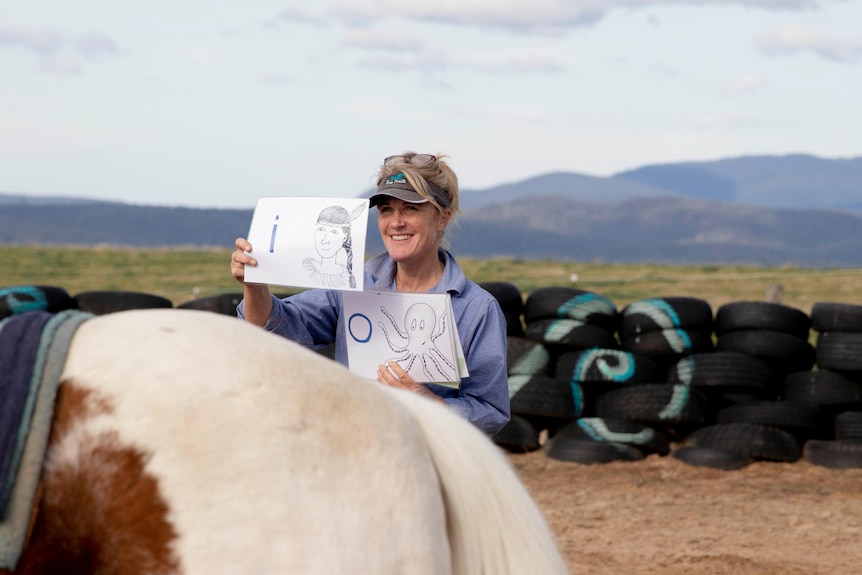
771	210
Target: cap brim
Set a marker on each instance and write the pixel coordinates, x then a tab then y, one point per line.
406	195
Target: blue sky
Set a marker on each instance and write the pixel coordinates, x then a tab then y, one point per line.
216	103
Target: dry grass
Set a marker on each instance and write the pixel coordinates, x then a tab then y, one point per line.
625	283
182	274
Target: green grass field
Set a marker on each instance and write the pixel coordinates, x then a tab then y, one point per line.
184	274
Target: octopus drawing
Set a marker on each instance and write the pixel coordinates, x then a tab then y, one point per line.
420	352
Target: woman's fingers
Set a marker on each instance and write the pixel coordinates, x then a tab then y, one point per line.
240	258
394	375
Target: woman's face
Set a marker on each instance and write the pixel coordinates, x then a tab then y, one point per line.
328	239
410	232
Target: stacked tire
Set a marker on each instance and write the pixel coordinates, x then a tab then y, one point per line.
525	360
23	298
773	332
757	343
666	329
836	385
659	332
558	320
224	304
101	302
664	376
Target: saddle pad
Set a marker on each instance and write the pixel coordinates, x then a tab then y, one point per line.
31	440
19	343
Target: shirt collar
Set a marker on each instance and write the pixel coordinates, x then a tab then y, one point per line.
382	270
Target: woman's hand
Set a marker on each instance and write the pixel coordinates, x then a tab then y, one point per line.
256	297
240	258
394	375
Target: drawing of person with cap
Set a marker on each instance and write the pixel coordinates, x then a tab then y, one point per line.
334	245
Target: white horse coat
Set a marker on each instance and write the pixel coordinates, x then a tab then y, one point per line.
186	442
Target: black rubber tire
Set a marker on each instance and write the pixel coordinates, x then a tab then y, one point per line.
646	438
514	324
24	298
723	370
748	315
760	442
712	458
519	435
571	303
527	357
107	301
544	396
839	351
570	333
652	314
224	304
507	295
719	399
783	352
657	404
848	426
833	454
669	343
828	316
588	452
802	419
601	365
823	388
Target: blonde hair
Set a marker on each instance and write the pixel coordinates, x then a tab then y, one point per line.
437	172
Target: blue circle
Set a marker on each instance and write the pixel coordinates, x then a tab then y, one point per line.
350	327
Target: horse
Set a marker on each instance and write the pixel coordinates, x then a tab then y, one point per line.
187	442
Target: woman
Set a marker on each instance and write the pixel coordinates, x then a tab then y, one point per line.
416	199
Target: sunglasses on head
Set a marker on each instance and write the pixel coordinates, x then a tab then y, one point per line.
416	160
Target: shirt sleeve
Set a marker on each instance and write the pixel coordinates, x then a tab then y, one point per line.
309	318
483	397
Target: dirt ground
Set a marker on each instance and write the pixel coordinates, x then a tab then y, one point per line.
662	516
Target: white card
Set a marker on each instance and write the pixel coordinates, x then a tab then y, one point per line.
309	242
416	330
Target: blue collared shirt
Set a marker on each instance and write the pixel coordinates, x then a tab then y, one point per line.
313	319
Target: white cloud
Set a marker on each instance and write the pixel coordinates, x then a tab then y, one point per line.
94	44
536	62
429	60
58	53
798	38
746	83
546	16
527	61
46	42
40	41
60	65
295	16
377	40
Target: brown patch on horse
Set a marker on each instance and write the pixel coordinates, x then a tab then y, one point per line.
100	513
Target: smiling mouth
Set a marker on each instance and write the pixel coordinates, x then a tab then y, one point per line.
401	237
